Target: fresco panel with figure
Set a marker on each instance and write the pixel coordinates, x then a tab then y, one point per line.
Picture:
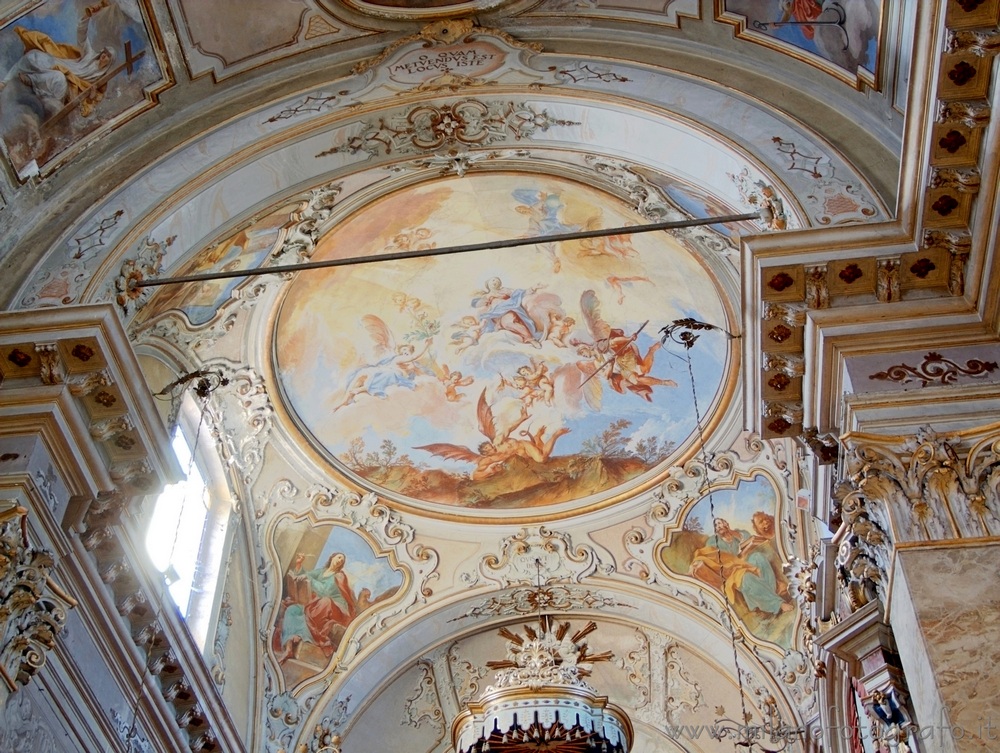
736	552
844	33
71	68
332	577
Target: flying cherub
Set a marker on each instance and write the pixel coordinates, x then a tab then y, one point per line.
615	356
452	380
398	365
499	448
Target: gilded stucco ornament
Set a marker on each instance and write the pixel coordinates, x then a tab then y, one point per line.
423	705
538	554
32	607
662	686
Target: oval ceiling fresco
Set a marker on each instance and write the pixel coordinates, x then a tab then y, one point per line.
498	380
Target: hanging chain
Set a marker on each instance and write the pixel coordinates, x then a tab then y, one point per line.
682	332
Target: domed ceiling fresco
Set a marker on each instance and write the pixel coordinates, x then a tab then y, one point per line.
499	379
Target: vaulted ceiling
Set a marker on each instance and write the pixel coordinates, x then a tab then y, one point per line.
480	432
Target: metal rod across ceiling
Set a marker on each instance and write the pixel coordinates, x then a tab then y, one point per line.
486	246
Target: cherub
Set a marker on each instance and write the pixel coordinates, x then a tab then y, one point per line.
398	365
452	380
470	330
499	448
537	378
526	393
559	328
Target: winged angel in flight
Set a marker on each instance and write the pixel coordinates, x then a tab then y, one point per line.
499	447
616	355
398	365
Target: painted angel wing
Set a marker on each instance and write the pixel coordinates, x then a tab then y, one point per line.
485	415
450	451
379	333
591	308
592	389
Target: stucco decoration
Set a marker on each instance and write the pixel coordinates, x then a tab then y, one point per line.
495	381
538	556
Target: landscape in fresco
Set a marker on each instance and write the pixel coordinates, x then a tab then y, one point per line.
331	576
842	32
70	67
737	552
498	379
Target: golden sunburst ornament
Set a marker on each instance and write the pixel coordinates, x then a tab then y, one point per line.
539	700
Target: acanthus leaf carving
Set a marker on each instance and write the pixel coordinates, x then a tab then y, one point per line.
32	612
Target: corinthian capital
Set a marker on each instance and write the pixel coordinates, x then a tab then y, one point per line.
925	487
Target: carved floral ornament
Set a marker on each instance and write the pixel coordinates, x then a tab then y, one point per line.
32	607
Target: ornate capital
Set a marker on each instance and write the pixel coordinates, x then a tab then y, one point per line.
32	610
928	487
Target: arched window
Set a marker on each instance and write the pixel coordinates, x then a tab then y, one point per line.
187	532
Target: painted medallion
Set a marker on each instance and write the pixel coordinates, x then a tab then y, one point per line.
498	380
331	577
730	543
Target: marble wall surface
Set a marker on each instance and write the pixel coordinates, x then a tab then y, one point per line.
945	607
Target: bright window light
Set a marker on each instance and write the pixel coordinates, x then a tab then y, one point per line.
176	530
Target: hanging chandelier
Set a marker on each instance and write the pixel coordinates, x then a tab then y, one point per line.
539	700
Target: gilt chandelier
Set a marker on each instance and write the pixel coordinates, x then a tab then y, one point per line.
540	701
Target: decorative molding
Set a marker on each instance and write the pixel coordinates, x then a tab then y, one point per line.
538	553
935	369
422	706
427	127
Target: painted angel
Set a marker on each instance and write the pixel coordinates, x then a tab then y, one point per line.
398	365
499	447
615	356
